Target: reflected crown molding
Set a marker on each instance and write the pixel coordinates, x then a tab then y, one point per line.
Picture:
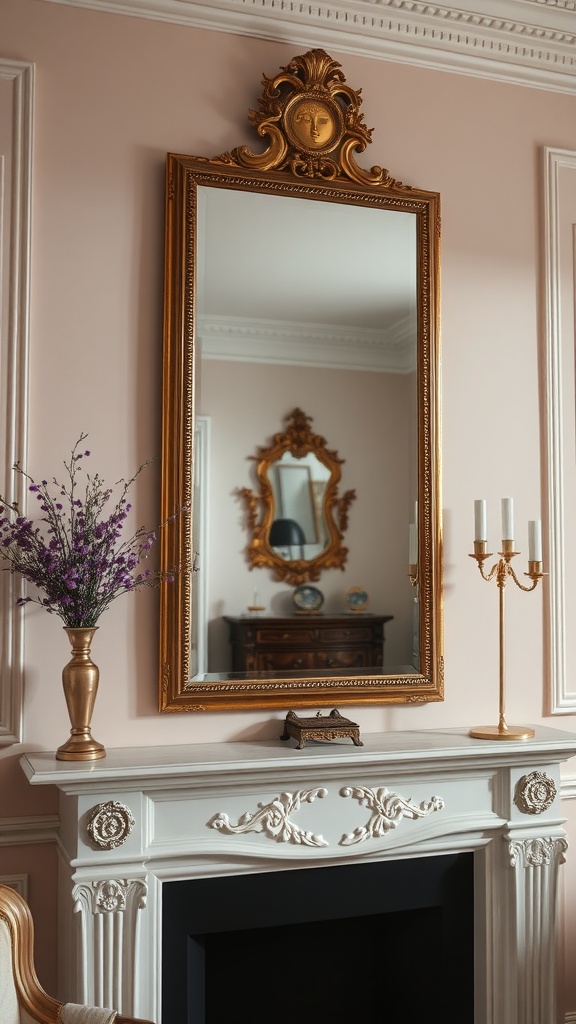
528	42
301	344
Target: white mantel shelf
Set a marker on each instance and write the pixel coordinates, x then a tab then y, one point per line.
209	763
144	816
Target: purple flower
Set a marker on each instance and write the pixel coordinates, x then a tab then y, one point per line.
74	555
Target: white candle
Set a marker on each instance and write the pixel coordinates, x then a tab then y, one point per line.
413	545
480	532
507	519
534	540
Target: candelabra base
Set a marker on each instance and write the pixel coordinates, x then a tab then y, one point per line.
499	732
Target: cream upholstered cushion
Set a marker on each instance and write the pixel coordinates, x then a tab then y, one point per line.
73	1013
9	1012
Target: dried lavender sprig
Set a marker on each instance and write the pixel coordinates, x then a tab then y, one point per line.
76	559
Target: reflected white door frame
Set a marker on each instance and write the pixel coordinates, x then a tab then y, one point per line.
199	625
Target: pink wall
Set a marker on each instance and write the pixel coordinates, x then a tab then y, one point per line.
113	95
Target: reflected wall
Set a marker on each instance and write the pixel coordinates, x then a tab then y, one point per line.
349	407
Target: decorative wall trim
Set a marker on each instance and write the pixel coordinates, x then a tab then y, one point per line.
568	787
562	695
40	828
522	41
17	882
17	81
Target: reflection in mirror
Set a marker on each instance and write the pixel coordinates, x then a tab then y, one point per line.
296	515
295	279
298	489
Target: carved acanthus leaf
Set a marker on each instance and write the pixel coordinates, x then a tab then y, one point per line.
273	819
538	852
388	810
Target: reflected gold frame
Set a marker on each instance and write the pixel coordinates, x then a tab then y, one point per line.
299	440
306	96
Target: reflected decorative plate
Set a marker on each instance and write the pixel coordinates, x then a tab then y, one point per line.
307	598
356	599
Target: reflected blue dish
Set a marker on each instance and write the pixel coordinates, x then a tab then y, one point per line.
356	599
307	598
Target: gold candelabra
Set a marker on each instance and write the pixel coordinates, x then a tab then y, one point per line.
502	571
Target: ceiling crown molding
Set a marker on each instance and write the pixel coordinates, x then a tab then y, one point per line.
528	42
300	344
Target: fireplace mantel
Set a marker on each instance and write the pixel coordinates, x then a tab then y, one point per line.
143	816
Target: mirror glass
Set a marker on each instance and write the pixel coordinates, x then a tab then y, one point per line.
283	292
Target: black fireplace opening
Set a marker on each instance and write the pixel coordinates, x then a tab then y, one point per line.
388	941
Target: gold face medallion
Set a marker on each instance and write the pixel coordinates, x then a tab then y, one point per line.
313	125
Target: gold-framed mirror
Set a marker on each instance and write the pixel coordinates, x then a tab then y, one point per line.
296	515
304	198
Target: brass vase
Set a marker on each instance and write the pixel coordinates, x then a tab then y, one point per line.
80	682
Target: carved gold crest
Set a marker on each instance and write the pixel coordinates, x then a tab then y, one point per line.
313	122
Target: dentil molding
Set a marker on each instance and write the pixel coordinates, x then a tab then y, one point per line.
529	42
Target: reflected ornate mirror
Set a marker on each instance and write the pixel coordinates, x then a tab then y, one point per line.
297	280
297	517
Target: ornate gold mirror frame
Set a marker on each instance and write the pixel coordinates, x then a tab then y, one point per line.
298	440
314	127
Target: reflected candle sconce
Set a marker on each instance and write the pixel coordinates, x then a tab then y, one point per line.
502	571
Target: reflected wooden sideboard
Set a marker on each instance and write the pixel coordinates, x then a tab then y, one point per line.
302	642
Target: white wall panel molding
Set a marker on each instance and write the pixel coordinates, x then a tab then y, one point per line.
17	86
17	882
568	787
29	830
562	682
521	41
